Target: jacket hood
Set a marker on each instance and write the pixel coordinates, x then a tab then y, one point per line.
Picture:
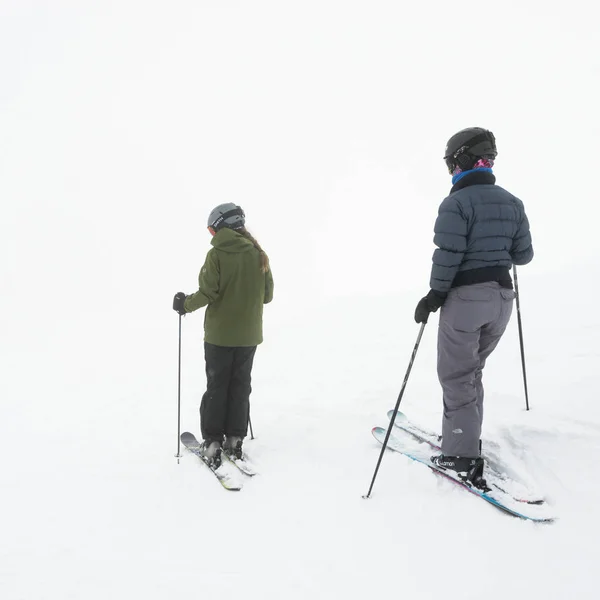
228	240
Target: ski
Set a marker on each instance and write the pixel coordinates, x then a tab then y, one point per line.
226	480
433	440
241	464
500	500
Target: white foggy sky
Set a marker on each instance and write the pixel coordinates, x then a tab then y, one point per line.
123	123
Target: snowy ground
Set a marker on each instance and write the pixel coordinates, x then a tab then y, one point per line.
123	125
95	504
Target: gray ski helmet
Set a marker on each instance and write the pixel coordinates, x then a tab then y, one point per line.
228	215
465	147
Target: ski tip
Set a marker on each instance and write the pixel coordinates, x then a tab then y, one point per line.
400	416
379	433
233	489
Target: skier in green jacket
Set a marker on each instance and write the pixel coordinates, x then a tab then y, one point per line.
234	284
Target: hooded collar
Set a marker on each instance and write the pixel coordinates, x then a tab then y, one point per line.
229	240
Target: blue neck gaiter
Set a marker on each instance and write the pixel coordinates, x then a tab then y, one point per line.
456	178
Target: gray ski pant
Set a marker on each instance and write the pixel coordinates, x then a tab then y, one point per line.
472	321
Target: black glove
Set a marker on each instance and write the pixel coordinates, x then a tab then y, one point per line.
429	304
178	301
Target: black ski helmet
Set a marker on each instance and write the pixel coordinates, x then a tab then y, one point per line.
228	215
467	146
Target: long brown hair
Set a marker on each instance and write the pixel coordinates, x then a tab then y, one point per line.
264	259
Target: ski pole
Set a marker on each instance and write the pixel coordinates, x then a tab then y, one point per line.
250	425
392	420
521	336
178	455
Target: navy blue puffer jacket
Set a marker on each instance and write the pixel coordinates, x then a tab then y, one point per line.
480	232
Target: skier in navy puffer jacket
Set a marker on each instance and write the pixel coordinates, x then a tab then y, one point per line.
481	231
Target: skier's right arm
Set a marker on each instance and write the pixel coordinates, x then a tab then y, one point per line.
451	229
208	281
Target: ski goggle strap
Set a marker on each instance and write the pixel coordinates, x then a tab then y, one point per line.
236	212
486	136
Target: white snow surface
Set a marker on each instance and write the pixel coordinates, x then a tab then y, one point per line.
122	124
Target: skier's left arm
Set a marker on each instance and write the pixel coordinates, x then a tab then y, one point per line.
451	229
268	286
522	246
208	283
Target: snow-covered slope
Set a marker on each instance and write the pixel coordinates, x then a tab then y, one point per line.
95	503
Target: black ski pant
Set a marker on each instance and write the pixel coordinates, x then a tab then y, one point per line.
226	404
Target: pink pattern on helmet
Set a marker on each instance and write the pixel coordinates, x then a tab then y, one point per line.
484	163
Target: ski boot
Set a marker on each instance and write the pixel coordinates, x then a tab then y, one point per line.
233	447
469	470
211	450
